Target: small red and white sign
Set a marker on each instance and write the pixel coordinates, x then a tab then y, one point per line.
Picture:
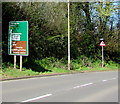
102	43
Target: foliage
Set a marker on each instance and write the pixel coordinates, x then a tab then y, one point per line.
48	34
51	62
93	65
56	66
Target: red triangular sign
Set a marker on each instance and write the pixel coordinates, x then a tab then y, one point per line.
102	44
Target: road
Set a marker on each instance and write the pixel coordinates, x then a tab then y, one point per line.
80	87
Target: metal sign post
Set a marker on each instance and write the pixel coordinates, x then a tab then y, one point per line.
18	40
20	63
102	44
102	57
14	61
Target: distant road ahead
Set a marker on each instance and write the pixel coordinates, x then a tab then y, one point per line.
80	87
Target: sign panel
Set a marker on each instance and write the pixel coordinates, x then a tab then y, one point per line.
18	38
102	43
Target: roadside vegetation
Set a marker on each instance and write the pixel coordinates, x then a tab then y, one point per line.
48	37
51	65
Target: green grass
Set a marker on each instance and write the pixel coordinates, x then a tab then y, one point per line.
90	65
59	70
14	73
96	68
52	65
10	73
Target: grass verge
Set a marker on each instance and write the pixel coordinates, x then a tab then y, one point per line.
52	66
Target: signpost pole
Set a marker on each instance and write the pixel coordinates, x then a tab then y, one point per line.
20	63
14	61
102	57
102	44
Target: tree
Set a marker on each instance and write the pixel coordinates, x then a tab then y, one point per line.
48	28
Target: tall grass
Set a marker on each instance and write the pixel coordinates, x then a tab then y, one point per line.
53	65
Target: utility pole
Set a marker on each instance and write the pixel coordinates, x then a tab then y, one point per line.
68	35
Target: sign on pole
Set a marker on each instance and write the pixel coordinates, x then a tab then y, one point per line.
102	44
18	38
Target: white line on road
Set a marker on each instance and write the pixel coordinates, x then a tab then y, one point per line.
76	87
86	84
108	80
112	78
104	80
40	97
83	85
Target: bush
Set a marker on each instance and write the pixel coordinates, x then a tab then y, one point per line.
7	65
112	64
52	62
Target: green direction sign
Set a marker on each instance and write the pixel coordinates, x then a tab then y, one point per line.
18	38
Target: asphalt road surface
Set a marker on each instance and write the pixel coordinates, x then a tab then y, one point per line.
80	87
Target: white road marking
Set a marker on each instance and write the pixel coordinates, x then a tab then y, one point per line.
76	87
92	83
108	79
40	97
112	78
83	85
104	80
86	84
